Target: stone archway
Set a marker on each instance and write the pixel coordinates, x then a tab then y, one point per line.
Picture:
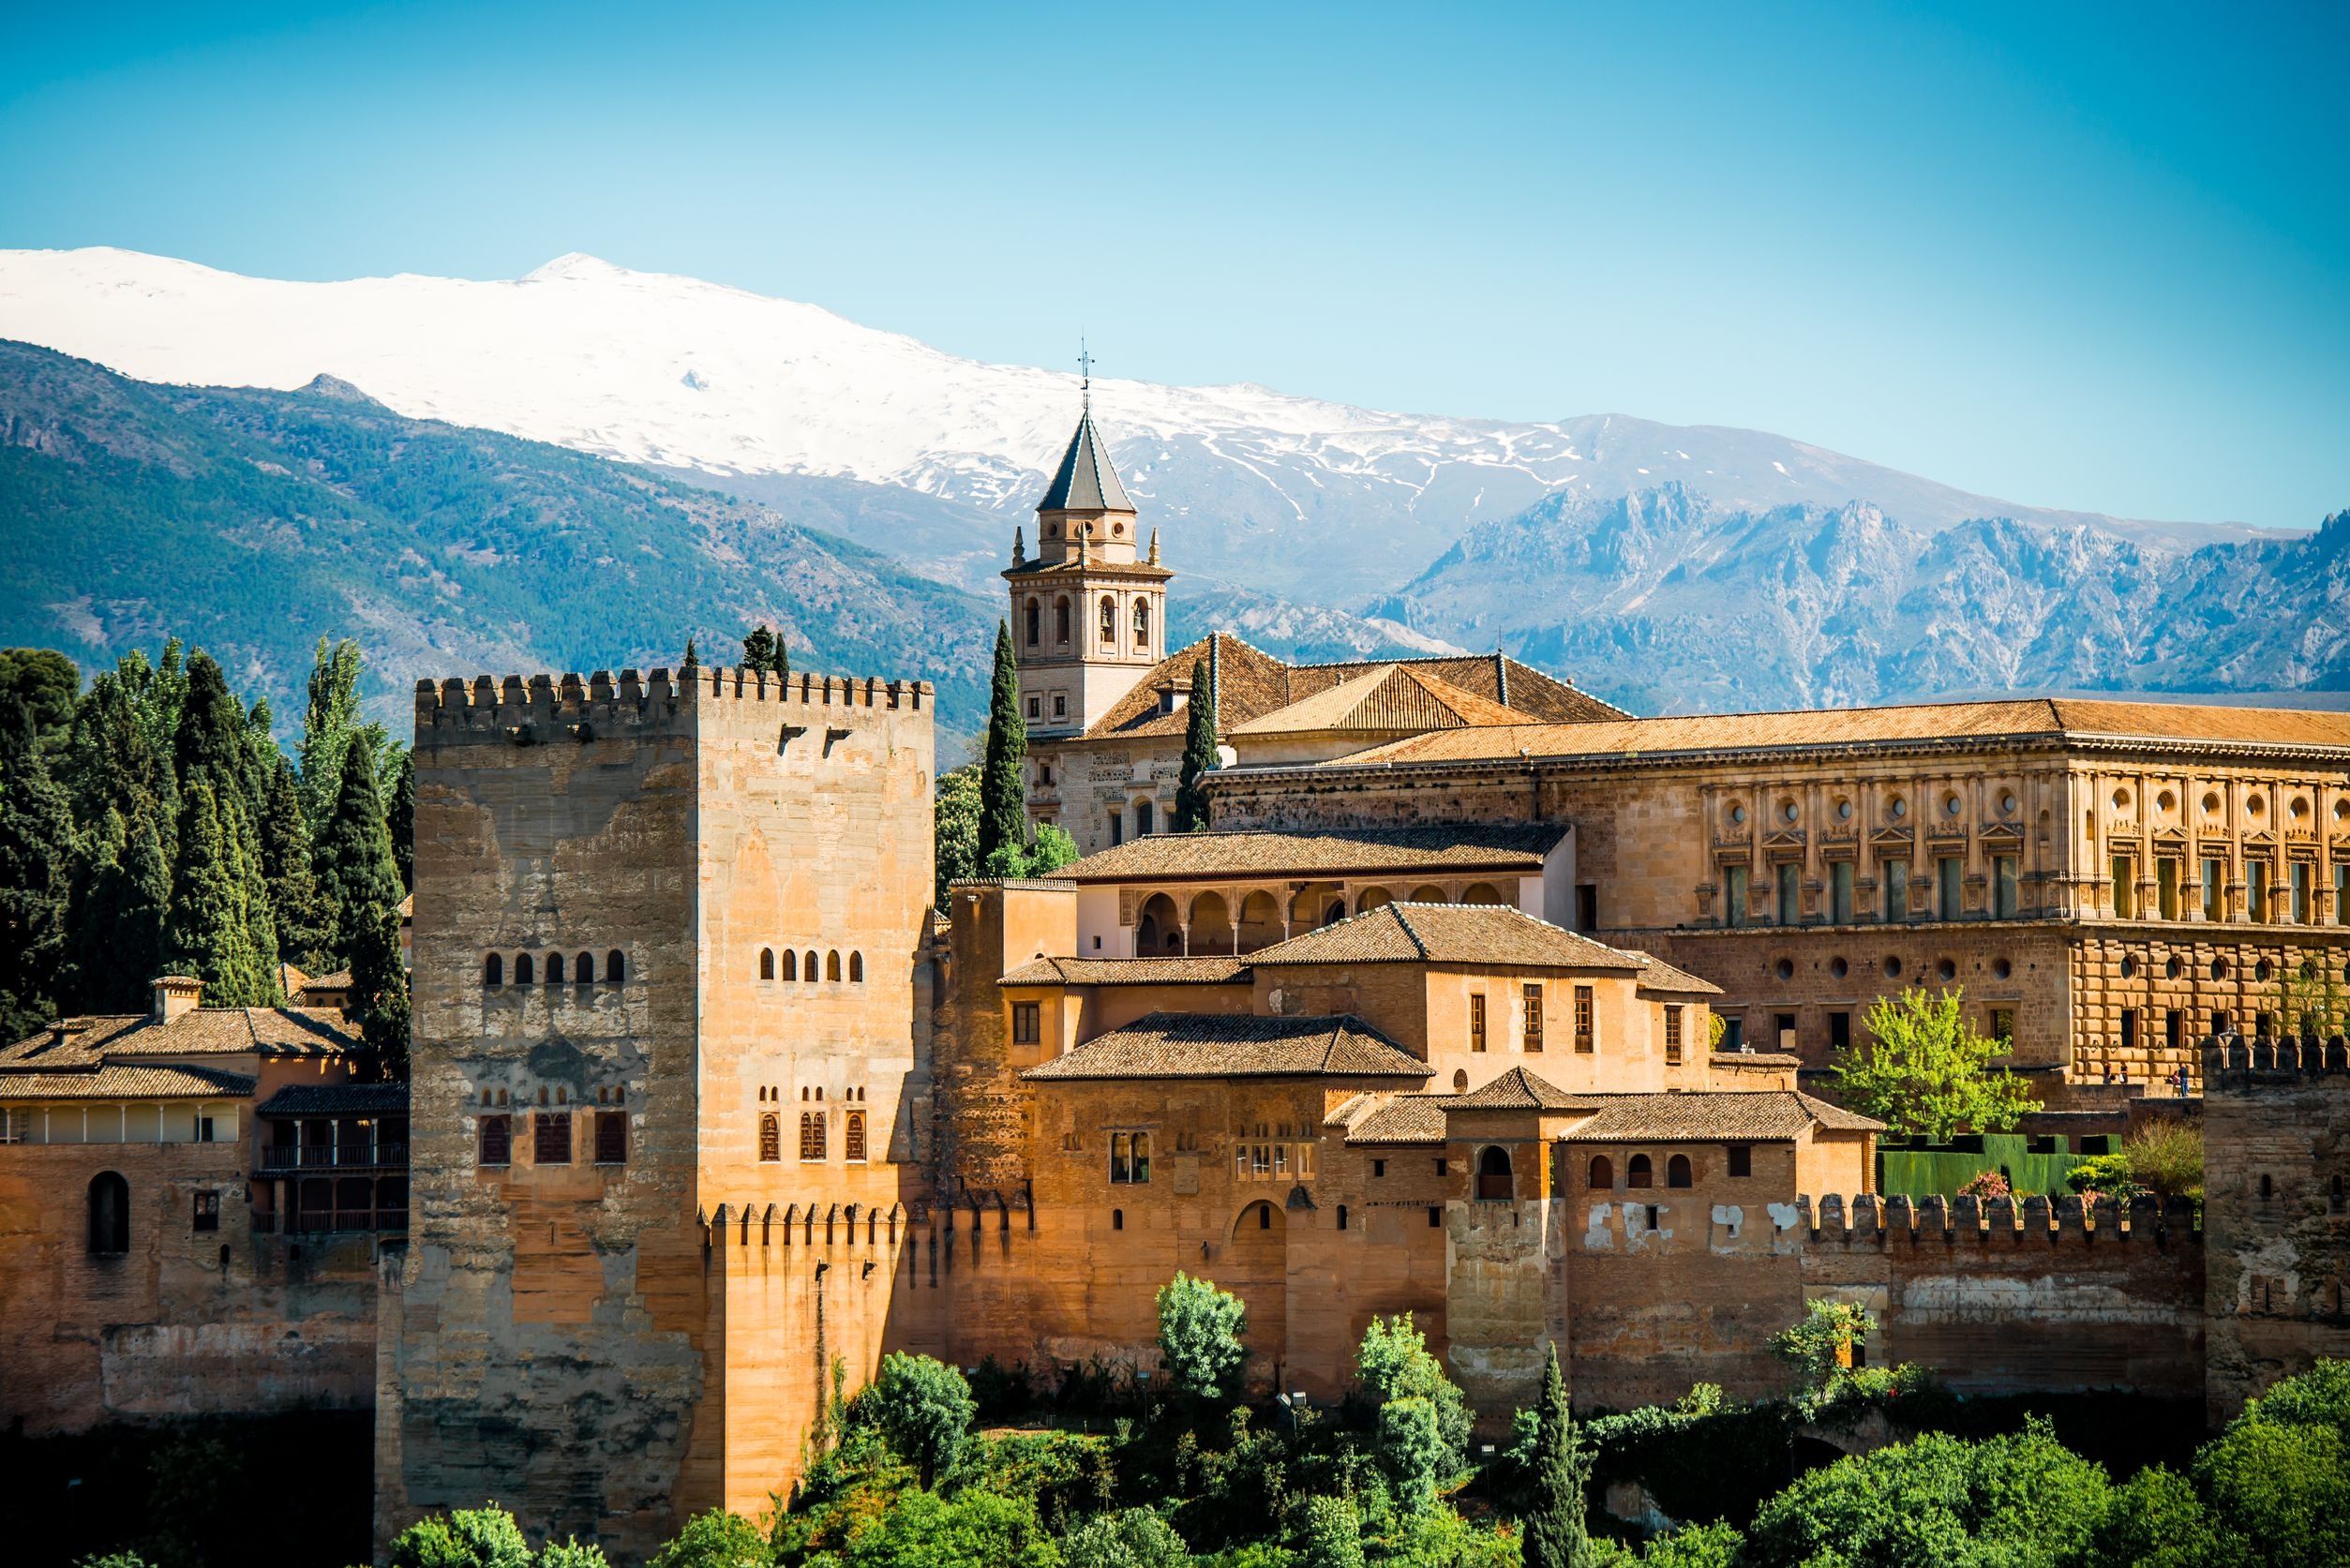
1260	921
1373	897
1157	930
1256	1269
1211	925
1481	892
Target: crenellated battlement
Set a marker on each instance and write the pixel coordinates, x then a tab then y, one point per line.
545	708
2232	1064
1868	1220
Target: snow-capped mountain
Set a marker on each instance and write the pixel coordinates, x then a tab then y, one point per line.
1300	497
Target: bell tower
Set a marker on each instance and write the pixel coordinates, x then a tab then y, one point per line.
1088	612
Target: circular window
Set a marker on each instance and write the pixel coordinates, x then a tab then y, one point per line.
1737	813
2128	968
1946	971
1952	806
1844	811
2262	970
1899	809
2122	799
2171	969
2166	799
2255	805
2007	804
2342	810
2211	804
1117	529
2299	807
2219	969
1790	812
1785	969
2002	968
1893	966
1837	967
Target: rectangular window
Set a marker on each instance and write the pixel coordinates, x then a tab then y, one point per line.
1476	1021
770	1139
1587	907
1840	892
1791	878
1261	1161
2166	888
2125	879
2006	891
1948	889
2129	1028
812	1135
1839	1031
550	1138
1733	1034
1733	895
2256	891
1240	1162
612	1137
1672	1036
1741	1159
1036	708
1026	1028
16	1123
1896	890
497	1141
1582	1020
207	1216
853	1138
2301	871
1784	1024
1378	1167
1534	1017
1121	1158
1305	1162
1280	1161
2220	1021
1117	827
2212	878
1061	705
1435	1217
2342	892
2003	1025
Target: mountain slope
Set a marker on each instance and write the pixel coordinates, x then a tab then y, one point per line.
1305	500
255	522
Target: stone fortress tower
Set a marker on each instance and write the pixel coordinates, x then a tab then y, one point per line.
667	947
1088	614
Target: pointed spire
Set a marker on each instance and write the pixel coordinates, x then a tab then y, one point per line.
1154	547
1085	543
1019	546
1085	481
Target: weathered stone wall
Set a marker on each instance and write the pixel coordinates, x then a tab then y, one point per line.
188	1322
2277	1159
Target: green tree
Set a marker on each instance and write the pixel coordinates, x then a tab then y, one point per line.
572	1552
2166	1160
975	1529
399	818
119	901
295	901
1821	1342
1133	1538
1412	1451
212	739
37	858
379	993
1424	1422
717	1539
1199	753
2155	1521
330	726
923	1409
1555	1534
1003	793
955	828
758	649
1925	1072
208	930
1332	1537
693	661
1201	1329
1052	849
2279	1477
47	685
1712	1546
1938	1503
2317	1397
357	875
469	1538
2312	1001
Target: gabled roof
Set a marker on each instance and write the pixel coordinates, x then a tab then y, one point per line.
1391	1119
1518	1090
1698	1116
1382	698
1448	934
85	1041
1433	849
1656	974
1086	481
1129	971
115	1082
1215	1045
337	1099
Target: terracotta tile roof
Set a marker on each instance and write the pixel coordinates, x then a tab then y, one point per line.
201	1032
2037	716
1385	698
1755	1059
1446	933
127	1082
1539	696
1760	1116
1518	1090
1129	971
337	1099
1656	974
1210	1045
1398	1119
1464	847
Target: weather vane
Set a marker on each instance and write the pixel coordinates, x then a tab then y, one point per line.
1084	372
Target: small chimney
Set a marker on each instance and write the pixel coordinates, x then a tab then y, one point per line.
175	995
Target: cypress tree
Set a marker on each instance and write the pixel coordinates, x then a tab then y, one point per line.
118	911
1199	753
356	873
378	991
692	660
400	818
295	901
782	657
328	726
208	931
37	845
758	650
1555	1536
1003	794
212	735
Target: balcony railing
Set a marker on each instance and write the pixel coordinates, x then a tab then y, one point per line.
321	1157
321	1221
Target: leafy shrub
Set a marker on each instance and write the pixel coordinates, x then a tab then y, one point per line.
570	1553
717	1539
923	1407
469	1538
998	1390
2283	1487
1137	1538
974	1530
1986	1185
2166	1160
2104	1175
1823	1341
1200	1332
1332	1537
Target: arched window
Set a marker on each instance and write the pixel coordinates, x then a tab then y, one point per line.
1677	1171
812	974
833	965
812	1135
522	968
110	1214
1602	1175
614	970
853	1137
1035	619
554	969
1117	1219
1109	621
494	970
791	964
1141	625
1640	1173
1061	620
856	968
1143	818
767	964
1493	1175
583	973
771	1138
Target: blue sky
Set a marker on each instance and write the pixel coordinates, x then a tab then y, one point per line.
2073	256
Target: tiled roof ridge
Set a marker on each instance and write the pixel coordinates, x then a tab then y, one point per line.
1405	921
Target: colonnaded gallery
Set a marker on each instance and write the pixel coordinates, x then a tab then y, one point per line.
707	1098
